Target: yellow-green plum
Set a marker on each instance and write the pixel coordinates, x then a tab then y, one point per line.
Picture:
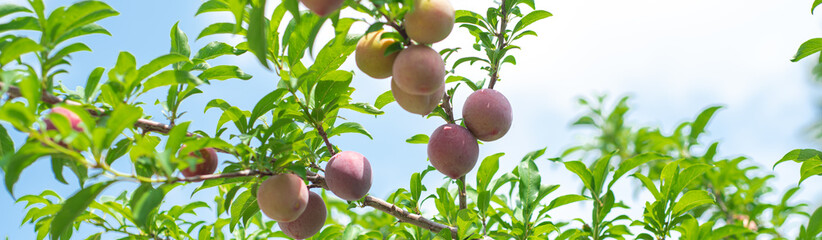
206	165
310	222
417	104
487	114
452	150
430	21
348	175
419	70
283	197
322	7
370	55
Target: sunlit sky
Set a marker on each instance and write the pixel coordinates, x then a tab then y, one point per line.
673	58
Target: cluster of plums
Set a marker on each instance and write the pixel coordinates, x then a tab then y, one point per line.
301	213
418	86
283	197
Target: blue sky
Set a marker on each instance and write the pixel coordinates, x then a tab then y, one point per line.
673	58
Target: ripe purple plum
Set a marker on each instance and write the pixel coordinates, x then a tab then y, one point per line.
370	55
322	7
487	114
453	150
207	166
419	70
417	104
283	197
310	222
348	175
430	21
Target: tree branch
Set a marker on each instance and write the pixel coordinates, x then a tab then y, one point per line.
315	178
446	106
462	195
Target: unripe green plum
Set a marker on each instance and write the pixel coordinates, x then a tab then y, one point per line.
487	114
370	55
348	175
453	150
419	70
72	117
322	7
417	104
310	222
207	165
283	197
430	21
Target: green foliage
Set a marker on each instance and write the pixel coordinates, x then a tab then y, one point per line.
695	193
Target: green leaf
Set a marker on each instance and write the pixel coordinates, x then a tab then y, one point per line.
143	202
633	162
418	139
349	127
806	49
170	77
582	172
6	144
698	126
815	3
814	224
74	207
565	199
648	185
384	99
6	9
690	200
78	15
179	42
121	118
365	108
62	53
219	28
15	163
160	63
216	49
265	104
257	37
212	6
87	29
223	72
92	84
529	187
21	23
487	169
811	167
687	176
16	48
798	155
531	18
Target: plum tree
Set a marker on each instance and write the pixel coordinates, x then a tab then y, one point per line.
487	114
207	166
419	70
322	7
283	197
310	222
430	21
417	104
452	150
72	117
370	55
348	175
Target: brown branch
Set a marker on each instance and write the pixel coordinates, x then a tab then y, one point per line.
446	106
500	44
405	216
324	135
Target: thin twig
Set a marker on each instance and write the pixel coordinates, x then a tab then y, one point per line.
500	44
462	195
446	106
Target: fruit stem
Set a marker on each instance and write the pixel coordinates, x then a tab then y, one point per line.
463	202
